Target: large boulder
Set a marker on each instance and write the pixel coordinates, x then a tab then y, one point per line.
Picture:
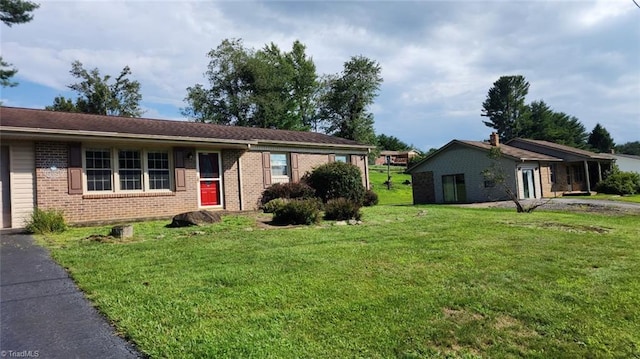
195	218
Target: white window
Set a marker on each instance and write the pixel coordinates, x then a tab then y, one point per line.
98	169
342	158
159	175
130	170
279	168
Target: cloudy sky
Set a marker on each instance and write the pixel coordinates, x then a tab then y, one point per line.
438	58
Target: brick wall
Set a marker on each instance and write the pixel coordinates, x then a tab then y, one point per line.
230	183
252	176
52	193
423	187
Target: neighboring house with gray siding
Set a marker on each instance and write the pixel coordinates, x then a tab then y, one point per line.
454	173
108	168
627	163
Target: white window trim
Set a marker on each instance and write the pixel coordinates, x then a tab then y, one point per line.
219	179
115	169
281	178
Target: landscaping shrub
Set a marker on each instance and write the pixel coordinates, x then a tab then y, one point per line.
342	209
337	180
287	191
46	221
273	205
370	198
298	211
619	182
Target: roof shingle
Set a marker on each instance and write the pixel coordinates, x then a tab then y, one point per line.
67	121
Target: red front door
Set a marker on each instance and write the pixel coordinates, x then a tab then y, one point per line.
209	171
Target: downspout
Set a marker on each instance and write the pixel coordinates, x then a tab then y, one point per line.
240	196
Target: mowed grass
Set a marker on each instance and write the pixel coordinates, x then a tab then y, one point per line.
399	193
410	282
612	197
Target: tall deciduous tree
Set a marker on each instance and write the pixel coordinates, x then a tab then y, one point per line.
266	88
600	139
345	105
13	12
505	105
98	96
391	143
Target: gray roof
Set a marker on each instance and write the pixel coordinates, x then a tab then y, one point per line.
564	148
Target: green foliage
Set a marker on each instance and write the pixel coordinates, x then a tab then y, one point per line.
391	143
273	205
46	221
620	183
342	209
347	98
335	180
13	12
6	73
16	11
370	198
267	88
600	140
629	148
298	211
60	103
98	96
542	123
290	190
505	106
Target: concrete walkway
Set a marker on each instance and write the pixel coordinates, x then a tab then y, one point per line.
43	314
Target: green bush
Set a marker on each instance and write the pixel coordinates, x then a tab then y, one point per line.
288	191
341	209
337	180
274	204
298	211
370	198
619	182
46	221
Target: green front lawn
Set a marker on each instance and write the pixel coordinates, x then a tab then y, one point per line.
612	197
411	282
399	193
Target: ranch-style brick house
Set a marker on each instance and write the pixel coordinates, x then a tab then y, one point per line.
106	168
533	169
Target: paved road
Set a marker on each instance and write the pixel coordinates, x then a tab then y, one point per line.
43	314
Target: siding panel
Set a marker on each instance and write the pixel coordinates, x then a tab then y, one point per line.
22	183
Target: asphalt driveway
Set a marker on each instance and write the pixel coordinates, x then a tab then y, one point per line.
43	314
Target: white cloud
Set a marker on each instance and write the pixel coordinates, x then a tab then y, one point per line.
438	58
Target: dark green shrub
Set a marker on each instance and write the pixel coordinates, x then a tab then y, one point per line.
618	182
287	191
273	205
342	209
298	211
337	180
46	221
370	198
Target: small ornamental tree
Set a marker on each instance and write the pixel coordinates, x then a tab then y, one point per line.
498	177
337	180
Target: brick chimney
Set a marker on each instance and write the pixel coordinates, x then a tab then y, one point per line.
494	140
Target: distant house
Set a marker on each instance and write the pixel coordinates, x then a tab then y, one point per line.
107	168
627	163
453	174
396	158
